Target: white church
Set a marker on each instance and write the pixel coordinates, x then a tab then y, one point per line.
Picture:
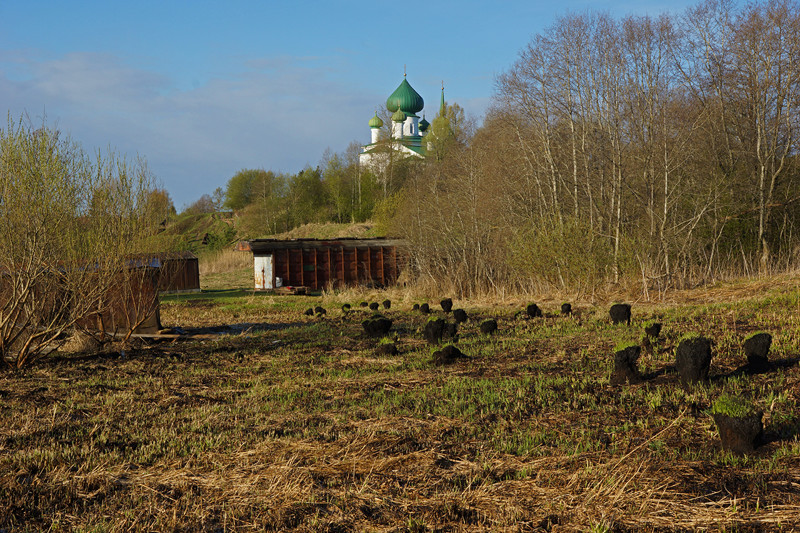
407	132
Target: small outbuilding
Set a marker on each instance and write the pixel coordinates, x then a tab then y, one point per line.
318	264
178	272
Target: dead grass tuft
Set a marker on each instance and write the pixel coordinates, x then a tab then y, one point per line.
225	261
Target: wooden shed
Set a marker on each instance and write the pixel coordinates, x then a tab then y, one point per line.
131	303
178	272
318	264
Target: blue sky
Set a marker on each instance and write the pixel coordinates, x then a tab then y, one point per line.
203	89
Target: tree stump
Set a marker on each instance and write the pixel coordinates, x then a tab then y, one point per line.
434	329
447	355
387	304
438	328
566	309
415	307
488	326
447	305
533	311
756	348
377	325
653	330
625	366
693	359
386	348
620	313
739	434
424	309
460	316
373	306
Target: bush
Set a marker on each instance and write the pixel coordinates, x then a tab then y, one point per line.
567	255
70	226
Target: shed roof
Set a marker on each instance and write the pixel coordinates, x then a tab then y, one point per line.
260	246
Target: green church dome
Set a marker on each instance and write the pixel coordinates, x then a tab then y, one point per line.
405	98
375	122
424	124
398	116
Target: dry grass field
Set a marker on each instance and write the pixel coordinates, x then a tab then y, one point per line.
274	420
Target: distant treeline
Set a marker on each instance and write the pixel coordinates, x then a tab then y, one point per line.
267	203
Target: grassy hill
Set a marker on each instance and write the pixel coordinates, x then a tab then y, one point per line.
200	233
211	232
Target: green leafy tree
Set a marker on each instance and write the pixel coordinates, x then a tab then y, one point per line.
159	204
242	188
309	200
267	212
447	129
339	183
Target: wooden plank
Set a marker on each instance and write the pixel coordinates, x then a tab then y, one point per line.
330	269
288	278
395	274
344	278
382	277
315	255
302	269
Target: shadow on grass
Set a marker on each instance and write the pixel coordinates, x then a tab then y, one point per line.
752	370
210	296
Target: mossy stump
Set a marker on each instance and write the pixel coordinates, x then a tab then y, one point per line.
447	305
488	326
625	366
620	313
739	434
415	307
693	359
447	355
756	348
377	325
533	311
373	306
460	316
424	309
566	309
309	311
346	308
387	304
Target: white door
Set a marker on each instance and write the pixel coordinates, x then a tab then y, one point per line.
263	271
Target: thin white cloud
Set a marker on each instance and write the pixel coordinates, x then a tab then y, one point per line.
277	113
